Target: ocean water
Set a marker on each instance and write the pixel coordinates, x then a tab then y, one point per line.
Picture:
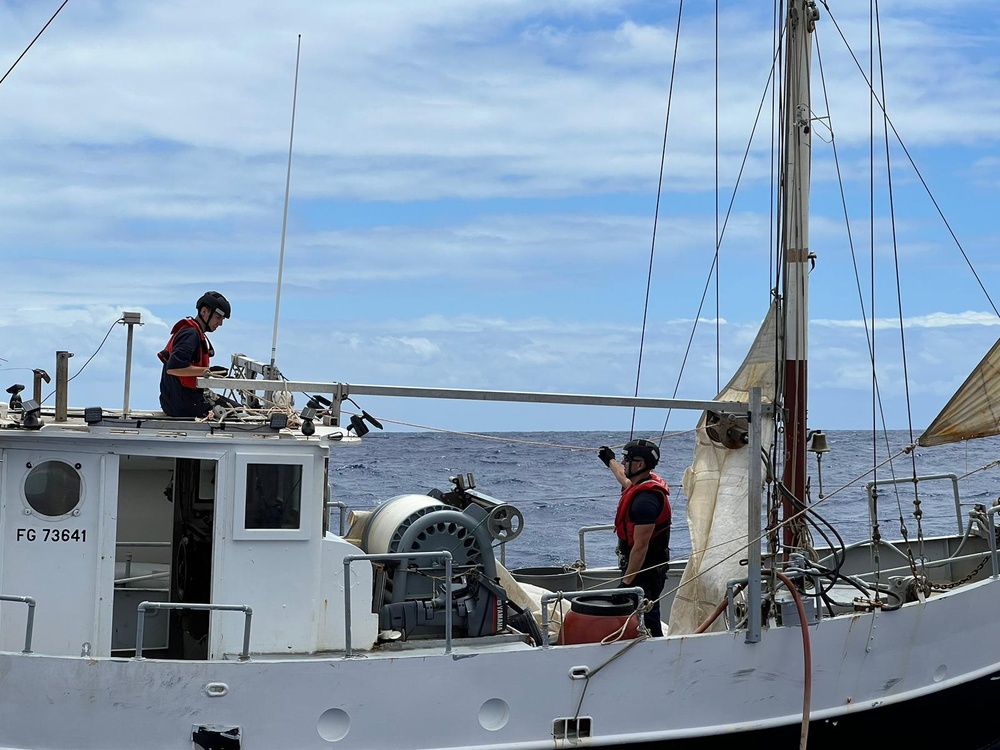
557	482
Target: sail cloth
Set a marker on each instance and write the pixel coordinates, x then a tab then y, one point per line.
974	410
716	485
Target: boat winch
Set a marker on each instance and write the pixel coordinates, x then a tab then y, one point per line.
410	595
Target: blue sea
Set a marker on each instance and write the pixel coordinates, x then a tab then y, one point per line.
557	482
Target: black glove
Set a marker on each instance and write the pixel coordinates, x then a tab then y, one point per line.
606	455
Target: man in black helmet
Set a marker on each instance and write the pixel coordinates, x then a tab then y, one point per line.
186	358
642	523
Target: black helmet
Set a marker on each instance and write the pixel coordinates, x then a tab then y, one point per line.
214	302
647	450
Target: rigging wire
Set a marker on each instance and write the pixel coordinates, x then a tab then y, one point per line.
899	303
14	65
715	259
868	328
913	164
718	239
513	441
876	533
656	210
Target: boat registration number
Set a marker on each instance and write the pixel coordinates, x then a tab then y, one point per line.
52	535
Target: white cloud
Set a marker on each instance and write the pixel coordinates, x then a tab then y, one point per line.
473	187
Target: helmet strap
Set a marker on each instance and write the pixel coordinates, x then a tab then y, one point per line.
633	474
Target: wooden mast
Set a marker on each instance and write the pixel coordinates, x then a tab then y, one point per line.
797	150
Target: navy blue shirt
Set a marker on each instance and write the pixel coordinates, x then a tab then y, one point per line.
645	509
176	399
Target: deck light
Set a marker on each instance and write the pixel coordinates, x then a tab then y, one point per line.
93	415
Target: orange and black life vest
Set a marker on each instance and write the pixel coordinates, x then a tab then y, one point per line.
205	349
625	526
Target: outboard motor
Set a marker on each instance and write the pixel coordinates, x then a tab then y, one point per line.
410	594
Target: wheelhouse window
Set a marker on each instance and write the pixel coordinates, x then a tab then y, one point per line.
273	496
53	489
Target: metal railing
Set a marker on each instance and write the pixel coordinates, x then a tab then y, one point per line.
433	556
330	505
871	492
586	530
990	512
546	598
30	625
145	606
128	555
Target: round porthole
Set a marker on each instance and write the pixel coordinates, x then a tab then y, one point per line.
53	489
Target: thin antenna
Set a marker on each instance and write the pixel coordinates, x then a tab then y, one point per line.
284	218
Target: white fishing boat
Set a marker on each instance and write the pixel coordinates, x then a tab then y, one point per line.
170	583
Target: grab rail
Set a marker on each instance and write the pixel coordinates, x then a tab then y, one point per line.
990	512
442	554
546	598
30	625
330	505
137	545
139	579
871	493
144	606
587	530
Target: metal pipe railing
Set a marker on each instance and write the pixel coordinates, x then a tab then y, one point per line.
754	510
546	598
587	530
337	504
145	606
137	545
140	579
871	486
990	512
342	390
30	625
434	556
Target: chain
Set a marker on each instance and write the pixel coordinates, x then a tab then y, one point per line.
966	579
980	515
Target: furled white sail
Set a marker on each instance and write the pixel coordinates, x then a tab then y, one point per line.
974	410
716	488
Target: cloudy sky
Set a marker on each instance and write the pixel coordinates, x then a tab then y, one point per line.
473	190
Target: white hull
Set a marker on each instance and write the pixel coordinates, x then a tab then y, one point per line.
503	697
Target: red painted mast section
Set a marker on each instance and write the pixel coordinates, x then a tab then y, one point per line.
797	147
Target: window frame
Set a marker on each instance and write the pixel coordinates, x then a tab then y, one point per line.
306	492
81	497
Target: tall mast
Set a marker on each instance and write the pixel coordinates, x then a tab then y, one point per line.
797	152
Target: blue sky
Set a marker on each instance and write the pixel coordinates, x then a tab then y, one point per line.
473	187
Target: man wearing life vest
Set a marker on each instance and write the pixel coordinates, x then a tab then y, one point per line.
186	357
642	523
